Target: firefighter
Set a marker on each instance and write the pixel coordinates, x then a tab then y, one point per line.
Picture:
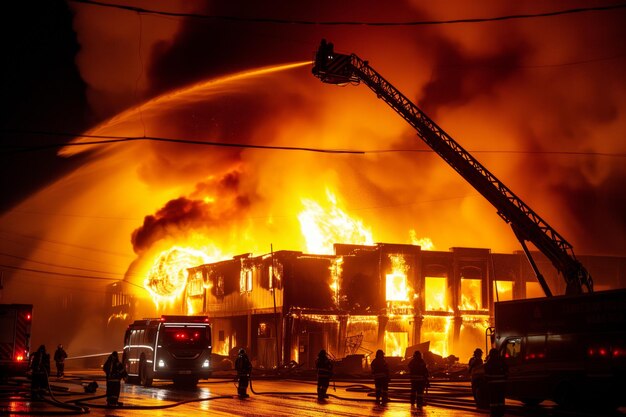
115	372
380	372
324	372
244	368
59	359
475	361
40	368
495	373
419	378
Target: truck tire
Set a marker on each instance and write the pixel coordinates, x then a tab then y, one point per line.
566	395
145	378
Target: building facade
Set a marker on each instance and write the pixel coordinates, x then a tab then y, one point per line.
288	305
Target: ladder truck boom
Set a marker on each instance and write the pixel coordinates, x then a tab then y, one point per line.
334	68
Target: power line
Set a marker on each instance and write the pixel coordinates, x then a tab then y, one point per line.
65	266
5	239
118	139
57	242
61	274
352	23
121	139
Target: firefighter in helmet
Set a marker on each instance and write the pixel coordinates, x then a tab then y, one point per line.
475	361
115	372
324	372
419	378
380	372
40	368
244	368
59	359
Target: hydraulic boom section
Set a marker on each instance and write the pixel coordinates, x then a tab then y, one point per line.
334	68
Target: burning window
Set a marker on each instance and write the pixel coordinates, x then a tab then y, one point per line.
534	290
219	287
471	294
435	294
437	330
396	282
396	343
503	290
275	273
336	269
195	286
245	280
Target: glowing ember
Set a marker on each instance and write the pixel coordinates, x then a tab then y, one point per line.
323	227
396	343
168	276
397	282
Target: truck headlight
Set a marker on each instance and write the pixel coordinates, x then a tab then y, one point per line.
206	363
161	363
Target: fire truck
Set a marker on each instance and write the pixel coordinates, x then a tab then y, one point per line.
169	347
568	348
15	325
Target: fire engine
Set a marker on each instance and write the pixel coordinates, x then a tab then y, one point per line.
15	325
557	347
169	347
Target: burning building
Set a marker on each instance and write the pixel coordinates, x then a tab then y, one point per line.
362	298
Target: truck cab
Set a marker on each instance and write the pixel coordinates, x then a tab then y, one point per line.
567	349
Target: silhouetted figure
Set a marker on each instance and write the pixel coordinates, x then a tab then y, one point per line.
495	373
380	372
244	368
324	372
40	368
59	359
115	372
475	361
419	378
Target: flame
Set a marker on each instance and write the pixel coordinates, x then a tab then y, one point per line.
323	227
336	269
397	282
503	290
437	331
396	343
168	276
425	242
435	294
471	294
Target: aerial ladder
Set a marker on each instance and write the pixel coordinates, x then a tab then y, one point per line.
341	69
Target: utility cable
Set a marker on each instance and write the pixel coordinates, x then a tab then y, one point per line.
353	23
120	139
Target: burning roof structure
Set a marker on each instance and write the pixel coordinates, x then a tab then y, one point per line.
287	305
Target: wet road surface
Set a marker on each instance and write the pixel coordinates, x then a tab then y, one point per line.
269	397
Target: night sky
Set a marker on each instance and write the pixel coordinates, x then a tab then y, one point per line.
540	101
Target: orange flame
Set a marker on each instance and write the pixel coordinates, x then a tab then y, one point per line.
323	227
397	282
167	278
396	343
471	294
